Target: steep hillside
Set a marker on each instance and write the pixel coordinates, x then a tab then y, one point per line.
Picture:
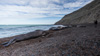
87	14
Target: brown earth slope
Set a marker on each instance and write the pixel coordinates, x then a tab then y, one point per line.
87	14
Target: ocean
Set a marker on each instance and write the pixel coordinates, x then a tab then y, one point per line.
12	30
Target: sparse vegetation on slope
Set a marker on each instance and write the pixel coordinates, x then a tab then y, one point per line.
87	14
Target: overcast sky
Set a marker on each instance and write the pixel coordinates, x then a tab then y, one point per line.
37	11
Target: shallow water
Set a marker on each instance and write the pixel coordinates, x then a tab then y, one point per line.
12	30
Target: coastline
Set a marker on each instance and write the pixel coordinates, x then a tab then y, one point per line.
70	41
12	30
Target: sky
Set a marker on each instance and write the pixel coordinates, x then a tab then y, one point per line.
37	11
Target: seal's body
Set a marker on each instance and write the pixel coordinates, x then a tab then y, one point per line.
57	28
30	35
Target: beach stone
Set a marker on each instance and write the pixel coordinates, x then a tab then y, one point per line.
98	55
33	55
98	43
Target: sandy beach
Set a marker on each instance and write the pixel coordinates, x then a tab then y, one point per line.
75	41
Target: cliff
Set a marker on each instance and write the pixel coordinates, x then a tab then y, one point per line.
87	14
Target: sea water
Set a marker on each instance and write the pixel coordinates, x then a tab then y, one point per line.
12	30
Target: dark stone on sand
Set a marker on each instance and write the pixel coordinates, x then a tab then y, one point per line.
40	40
98	44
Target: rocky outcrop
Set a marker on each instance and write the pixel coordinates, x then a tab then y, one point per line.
87	14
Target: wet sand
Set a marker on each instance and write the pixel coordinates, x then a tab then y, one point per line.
76	41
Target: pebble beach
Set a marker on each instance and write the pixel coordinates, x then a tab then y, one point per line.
74	41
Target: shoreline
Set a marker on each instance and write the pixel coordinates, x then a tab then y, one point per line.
70	41
12	30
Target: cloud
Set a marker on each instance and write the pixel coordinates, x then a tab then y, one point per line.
78	3
31	10
71	5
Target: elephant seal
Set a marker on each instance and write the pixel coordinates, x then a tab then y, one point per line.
27	36
57	28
